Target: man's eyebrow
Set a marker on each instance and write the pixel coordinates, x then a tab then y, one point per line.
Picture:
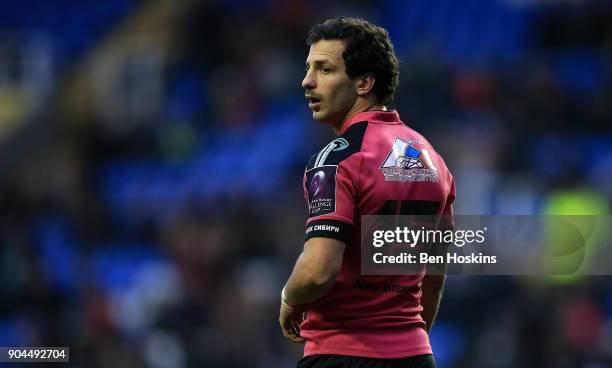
321	62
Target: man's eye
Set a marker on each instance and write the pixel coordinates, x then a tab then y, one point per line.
325	70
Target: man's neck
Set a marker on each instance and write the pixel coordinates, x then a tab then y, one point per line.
360	105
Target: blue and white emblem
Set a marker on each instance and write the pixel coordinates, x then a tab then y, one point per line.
408	163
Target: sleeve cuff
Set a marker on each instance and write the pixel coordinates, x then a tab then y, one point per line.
329	229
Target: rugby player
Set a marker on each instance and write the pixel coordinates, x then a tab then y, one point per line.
375	165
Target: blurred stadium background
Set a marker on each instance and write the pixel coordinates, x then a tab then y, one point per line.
152	155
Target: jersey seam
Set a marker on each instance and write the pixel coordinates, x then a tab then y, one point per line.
363	141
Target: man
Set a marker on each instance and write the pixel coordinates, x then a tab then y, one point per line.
376	165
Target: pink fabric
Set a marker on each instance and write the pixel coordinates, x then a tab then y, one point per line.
352	319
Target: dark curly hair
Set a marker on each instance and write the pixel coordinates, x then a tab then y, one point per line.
367	49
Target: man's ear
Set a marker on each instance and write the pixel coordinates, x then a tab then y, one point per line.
364	83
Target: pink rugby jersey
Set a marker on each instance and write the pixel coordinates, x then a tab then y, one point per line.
377	165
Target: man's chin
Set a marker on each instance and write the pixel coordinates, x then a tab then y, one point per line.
318	116
322	118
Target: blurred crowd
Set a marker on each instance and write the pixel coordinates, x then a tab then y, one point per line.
152	156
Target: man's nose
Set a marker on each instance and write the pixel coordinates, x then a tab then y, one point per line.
309	81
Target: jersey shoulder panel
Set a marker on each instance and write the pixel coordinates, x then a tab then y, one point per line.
341	148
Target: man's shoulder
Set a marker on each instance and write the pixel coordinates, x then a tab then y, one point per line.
341	148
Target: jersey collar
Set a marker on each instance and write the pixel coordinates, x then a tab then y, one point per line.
378	116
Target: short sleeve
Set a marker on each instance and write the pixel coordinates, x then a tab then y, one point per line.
330	185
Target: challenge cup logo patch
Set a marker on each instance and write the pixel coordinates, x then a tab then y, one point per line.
317	184
321	189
